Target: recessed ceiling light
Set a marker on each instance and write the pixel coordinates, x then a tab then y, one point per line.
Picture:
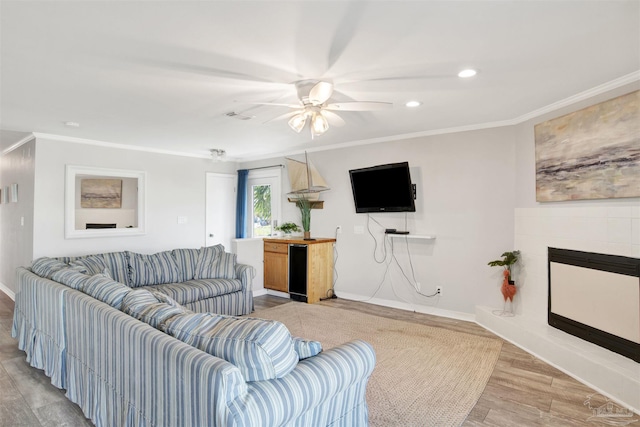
467	73
412	104
72	124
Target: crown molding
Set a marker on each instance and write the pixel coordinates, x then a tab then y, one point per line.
18	144
611	85
97	143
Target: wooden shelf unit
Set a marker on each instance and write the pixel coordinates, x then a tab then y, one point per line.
319	265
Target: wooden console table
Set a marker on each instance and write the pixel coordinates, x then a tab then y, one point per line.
319	271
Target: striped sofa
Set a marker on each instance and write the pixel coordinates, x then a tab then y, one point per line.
204	280
135	357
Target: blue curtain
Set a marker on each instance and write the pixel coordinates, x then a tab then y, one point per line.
241	204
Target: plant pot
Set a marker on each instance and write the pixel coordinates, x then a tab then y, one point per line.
307	235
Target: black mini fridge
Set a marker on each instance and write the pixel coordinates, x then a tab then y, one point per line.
298	272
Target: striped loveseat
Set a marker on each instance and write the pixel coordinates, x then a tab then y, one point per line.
135	357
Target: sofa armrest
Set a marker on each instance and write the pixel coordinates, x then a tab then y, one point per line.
245	273
341	372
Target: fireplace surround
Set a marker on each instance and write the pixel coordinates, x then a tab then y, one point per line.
596	297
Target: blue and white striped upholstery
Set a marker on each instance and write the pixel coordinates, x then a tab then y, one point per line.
106	289
195	290
118	264
71	277
223	267
152	308
153	269
206	256
123	372
93	264
38	323
306	348
46	267
261	349
186	259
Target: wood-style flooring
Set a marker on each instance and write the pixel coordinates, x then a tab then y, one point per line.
522	391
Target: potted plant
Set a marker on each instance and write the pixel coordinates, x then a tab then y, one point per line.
305	212
288	227
508	259
508	287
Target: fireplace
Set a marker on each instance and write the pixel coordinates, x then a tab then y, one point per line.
596	297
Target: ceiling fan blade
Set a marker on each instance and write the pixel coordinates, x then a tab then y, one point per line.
359	106
282	116
275	104
320	93
333	118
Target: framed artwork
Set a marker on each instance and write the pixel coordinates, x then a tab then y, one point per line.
101	193
593	153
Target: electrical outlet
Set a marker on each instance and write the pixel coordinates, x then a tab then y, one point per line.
339	229
439	290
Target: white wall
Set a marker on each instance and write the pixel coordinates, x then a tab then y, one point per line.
465	196
603	226
16	220
175	186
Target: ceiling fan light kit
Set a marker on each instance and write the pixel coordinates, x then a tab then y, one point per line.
313	107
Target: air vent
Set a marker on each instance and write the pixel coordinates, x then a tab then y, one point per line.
237	116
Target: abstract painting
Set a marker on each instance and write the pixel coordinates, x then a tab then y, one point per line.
101	193
593	153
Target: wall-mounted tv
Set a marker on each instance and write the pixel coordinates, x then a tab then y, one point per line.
383	188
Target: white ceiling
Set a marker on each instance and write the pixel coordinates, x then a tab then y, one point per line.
162	75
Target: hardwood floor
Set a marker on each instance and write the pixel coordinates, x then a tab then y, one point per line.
522	391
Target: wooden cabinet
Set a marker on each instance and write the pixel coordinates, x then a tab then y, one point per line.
276	266
319	266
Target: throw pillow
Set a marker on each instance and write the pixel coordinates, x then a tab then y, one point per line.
306	348
151	307
206	266
94	264
261	349
46	267
155	269
71	277
222	266
186	260
105	289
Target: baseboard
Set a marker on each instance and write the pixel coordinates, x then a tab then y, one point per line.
259	292
277	293
409	307
7	291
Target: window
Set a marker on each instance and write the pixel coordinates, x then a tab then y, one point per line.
264	200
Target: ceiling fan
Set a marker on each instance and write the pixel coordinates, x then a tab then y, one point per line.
314	109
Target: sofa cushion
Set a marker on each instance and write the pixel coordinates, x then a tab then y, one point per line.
196	290
46	267
118	265
105	289
71	277
153	269
186	259
151	307
222	267
306	348
204	265
261	349
93	264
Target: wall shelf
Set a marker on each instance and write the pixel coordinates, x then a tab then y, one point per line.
413	236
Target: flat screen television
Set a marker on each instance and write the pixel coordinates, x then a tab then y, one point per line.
383	188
